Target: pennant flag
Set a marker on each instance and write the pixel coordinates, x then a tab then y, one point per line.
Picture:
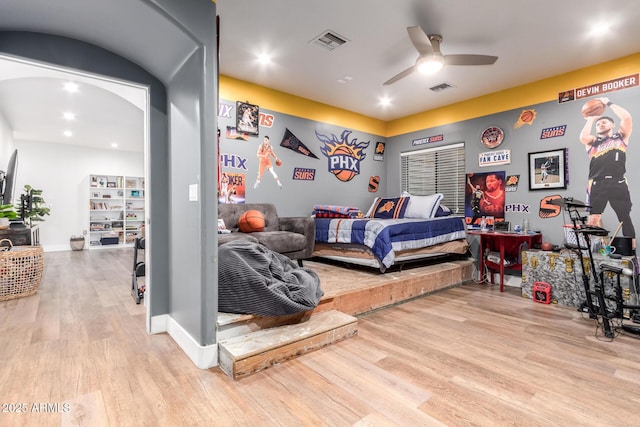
290	141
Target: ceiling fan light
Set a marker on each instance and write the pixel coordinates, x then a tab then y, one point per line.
429	64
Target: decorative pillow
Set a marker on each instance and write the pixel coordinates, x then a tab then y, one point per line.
422	206
443	211
369	213
389	208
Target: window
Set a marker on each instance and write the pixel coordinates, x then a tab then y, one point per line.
436	170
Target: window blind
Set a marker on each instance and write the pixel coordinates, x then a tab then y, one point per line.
436	170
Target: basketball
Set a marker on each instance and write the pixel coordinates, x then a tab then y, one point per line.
251	221
527	116
593	107
344	175
278	162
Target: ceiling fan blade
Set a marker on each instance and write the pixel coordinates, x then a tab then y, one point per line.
420	40
400	75
469	59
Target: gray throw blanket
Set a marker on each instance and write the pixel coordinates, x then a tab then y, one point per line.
253	279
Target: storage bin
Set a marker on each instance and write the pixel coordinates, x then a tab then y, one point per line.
21	269
109	241
77	243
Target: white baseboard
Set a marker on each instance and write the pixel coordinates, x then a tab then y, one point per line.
56	248
204	357
159	324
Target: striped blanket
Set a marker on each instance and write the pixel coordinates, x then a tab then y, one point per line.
385	236
333	211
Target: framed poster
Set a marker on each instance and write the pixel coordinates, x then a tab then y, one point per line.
485	197
102	182
548	169
247	117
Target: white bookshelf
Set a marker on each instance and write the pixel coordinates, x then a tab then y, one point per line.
116	210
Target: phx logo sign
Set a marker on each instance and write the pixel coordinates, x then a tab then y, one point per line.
343	156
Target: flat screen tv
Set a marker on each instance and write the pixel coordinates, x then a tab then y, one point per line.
8	180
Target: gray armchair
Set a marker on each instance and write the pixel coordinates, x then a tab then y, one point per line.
290	236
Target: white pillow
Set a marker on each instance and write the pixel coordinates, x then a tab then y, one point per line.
422	206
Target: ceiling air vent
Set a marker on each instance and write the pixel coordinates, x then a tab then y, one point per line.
440	87
329	40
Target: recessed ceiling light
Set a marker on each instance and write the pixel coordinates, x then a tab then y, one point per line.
384	102
71	87
599	30
69	115
114	144
264	59
68	133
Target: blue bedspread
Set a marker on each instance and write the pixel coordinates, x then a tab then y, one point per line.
385	236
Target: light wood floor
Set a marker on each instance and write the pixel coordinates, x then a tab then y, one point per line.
465	356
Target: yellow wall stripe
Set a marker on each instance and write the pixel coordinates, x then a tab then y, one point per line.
521	96
270	99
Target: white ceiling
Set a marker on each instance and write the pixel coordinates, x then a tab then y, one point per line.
33	100
34	106
533	40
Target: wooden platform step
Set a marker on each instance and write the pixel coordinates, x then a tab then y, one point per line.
246	354
231	325
356	292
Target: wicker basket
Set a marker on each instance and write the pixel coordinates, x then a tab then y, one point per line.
21	269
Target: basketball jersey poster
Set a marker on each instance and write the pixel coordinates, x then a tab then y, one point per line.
232	188
484	196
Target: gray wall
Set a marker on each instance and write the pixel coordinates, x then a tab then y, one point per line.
188	235
297	197
524	140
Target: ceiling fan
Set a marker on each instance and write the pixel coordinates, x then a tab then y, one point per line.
431	59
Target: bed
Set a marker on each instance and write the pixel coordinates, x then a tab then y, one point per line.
381	243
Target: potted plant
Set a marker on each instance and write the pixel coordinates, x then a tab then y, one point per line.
7	212
32	205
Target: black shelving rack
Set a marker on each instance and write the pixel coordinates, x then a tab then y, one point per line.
137	291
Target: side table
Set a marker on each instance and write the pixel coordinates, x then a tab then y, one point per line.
22	236
508	244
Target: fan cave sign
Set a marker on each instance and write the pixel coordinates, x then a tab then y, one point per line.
502	157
